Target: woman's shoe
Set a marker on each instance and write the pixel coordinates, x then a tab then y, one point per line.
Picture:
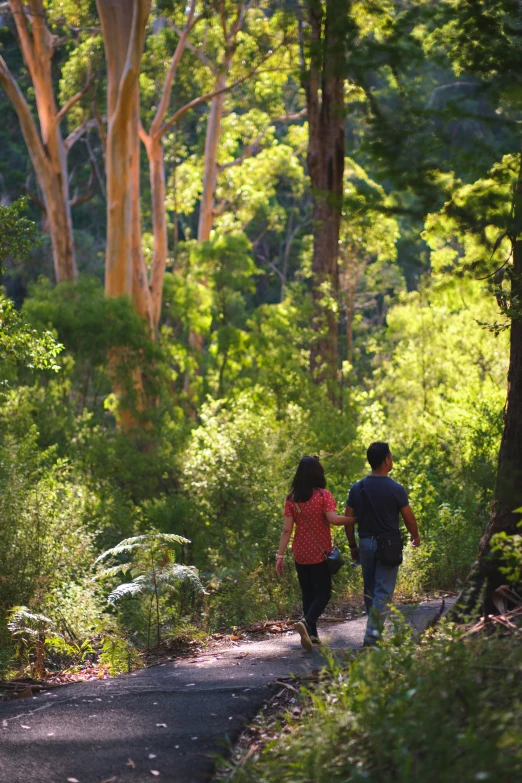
302	629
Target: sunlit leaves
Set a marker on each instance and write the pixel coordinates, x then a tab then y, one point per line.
19	343
473	229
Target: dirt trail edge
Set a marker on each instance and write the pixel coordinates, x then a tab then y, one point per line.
168	722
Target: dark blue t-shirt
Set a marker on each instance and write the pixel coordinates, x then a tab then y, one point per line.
387	497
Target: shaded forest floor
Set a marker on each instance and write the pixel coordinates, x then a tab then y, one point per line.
174	718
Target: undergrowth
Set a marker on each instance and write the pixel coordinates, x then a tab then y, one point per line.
447	709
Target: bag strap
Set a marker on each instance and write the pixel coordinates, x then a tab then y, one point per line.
367	497
309	528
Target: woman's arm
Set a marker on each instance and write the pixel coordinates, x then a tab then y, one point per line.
334	518
288	526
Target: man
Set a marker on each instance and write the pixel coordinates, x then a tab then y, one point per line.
376	502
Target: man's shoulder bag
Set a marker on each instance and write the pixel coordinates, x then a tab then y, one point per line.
389	545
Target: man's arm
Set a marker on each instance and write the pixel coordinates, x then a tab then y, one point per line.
411	524
350	533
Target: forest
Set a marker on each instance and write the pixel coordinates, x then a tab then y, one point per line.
233	233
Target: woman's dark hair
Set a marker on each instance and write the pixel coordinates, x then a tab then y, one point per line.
309	476
377	453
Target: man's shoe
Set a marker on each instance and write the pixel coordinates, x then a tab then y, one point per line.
302	629
316	642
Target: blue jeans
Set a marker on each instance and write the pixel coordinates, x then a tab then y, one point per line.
379	583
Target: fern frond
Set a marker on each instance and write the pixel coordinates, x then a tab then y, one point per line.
21	619
170	538
180	573
115	570
127	545
137	586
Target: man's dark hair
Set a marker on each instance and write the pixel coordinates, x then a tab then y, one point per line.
309	476
377	453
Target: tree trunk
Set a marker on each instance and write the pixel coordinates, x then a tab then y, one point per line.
206	208
326	168
123	28
46	149
140	282
154	147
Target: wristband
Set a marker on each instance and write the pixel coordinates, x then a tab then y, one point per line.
280	557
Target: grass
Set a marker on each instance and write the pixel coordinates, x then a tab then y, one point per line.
447	709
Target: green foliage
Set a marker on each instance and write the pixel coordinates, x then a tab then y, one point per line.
20	344
17	234
119	656
43	536
437	396
509	549
438	711
155	574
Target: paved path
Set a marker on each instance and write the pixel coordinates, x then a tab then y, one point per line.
171	719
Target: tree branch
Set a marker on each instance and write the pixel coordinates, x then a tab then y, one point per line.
24	34
27	123
207	96
199	54
291	117
94	164
87	196
78	132
74	98
249	151
253	148
155	127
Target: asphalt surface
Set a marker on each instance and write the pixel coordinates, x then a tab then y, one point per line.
168	722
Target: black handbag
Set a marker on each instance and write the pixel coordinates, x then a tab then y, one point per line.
334	560
389	545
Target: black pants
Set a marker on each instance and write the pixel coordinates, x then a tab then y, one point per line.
316	588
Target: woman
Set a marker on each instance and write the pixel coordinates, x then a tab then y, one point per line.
312	508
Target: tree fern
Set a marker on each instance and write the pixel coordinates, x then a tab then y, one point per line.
151	564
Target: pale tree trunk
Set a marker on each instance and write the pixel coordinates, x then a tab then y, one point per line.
123	28
153	142
210	170
46	149
324	85
154	147
141	295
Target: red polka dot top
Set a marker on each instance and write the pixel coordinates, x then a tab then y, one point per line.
305	549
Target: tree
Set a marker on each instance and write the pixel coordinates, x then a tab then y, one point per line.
323	64
487	219
19	343
367	241
123	29
47	148
151	564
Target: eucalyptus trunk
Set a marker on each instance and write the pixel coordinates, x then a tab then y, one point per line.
210	169
123	28
45	146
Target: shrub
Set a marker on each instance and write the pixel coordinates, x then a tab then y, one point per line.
449	709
